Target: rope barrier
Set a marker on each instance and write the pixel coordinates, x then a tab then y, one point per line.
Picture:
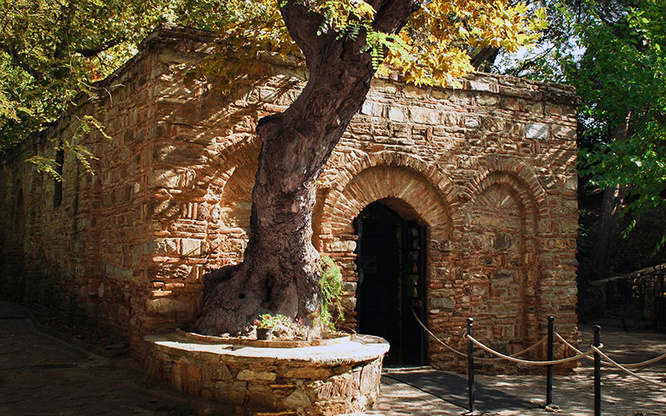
626	370
595	349
579	354
529	362
435	337
483	360
633	365
646	362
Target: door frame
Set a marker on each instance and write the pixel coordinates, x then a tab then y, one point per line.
407	317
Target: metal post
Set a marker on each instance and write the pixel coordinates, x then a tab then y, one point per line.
597	372
470	366
549	369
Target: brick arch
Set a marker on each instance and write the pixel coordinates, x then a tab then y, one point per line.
390	175
516	187
239	152
221	167
525	180
514	271
399	184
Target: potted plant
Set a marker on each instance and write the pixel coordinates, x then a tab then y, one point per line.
265	324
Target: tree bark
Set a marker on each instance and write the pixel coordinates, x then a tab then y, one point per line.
606	237
280	271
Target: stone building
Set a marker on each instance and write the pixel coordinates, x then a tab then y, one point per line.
449	202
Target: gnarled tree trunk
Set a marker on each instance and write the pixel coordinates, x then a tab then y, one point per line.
280	273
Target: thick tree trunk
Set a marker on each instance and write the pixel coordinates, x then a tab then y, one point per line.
607	235
280	272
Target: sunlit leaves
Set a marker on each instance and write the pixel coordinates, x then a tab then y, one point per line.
622	79
432	48
438	35
51	50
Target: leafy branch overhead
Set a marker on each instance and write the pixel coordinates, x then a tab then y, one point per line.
432	49
622	80
51	51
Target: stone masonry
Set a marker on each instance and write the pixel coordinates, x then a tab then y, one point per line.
487	167
338	377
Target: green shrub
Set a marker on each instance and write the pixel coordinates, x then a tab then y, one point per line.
331	312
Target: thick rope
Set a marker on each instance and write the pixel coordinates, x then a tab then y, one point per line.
626	370
450	348
634	365
478	359
576	350
528	362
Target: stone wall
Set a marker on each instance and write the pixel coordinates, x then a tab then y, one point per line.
341	376
488	168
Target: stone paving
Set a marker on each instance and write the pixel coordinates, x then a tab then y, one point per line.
41	374
429	392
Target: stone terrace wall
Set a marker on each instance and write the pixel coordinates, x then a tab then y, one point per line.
488	167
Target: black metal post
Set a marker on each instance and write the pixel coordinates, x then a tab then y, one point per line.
597	372
470	366
549	369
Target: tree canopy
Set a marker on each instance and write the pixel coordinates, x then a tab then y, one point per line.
622	79
52	50
612	52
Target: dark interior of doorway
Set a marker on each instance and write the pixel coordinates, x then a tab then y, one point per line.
391	288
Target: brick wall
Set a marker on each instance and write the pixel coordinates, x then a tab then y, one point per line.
488	168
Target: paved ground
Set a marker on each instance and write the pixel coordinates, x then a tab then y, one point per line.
430	392
43	374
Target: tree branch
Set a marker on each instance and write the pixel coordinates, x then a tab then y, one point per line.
392	15
22	63
88	52
486	54
303	25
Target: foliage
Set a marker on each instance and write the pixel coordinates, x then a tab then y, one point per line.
331	311
622	80
612	52
438	37
556	49
282	327
51	51
268	321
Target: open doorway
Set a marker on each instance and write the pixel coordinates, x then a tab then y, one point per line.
391	288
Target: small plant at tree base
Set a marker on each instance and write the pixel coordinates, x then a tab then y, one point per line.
268	321
331	312
282	327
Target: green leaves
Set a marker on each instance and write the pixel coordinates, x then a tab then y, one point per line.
51	51
330	285
622	81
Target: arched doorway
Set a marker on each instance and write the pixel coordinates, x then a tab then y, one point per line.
391	261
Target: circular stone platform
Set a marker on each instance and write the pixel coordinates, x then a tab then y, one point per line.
337	376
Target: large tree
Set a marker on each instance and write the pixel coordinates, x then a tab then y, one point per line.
344	44
51	50
622	80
